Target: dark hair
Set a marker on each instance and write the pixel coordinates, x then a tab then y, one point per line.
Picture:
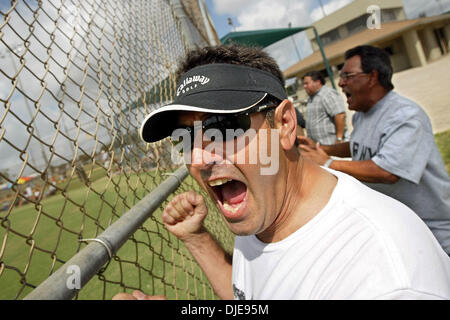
373	58
234	54
315	75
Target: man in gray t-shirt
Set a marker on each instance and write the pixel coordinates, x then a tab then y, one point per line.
401	142
392	144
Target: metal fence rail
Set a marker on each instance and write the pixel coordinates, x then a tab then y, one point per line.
76	80
90	260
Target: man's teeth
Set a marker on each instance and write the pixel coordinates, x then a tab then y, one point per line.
218	182
230	208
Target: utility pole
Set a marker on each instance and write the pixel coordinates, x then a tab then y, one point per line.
230	23
323	9
295	45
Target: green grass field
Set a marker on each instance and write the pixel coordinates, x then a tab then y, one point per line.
153	260
443	142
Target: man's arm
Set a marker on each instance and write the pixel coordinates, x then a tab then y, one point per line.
341	150
183	217
214	261
335	107
364	170
339	122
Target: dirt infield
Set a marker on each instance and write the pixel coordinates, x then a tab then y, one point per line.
429	86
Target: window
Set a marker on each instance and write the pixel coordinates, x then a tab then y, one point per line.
388	15
357	24
389	50
330	37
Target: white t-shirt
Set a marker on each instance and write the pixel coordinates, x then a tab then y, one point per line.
361	245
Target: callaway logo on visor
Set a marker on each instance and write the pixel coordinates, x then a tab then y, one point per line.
191	83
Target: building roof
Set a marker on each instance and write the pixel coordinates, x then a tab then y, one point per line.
262	38
335	51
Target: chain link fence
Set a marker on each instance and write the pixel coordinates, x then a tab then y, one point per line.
77	78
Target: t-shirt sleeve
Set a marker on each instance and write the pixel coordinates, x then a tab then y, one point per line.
333	103
404	149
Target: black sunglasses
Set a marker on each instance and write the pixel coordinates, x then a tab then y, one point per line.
239	123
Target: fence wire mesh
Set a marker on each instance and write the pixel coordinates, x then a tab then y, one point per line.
77	78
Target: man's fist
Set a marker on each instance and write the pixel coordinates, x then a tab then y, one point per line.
136	295
184	215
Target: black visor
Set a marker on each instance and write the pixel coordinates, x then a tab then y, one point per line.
213	88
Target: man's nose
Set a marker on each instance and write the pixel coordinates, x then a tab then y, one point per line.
206	154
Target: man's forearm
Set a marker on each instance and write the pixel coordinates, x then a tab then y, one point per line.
341	150
365	170
339	122
214	261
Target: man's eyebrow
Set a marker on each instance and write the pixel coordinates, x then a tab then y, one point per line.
203	116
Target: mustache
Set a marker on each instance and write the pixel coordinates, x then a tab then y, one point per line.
216	169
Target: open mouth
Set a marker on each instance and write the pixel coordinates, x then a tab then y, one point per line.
349	96
231	195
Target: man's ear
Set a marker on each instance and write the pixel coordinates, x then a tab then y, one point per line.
374	78
286	121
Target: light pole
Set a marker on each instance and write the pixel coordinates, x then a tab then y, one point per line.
323	9
325	60
231	24
295	45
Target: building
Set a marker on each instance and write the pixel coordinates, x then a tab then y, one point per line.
410	43
353	19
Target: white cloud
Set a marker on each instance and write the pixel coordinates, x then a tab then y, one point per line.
329	8
265	14
233	7
414	8
259	14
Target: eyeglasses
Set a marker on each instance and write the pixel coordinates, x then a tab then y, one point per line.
348	75
239	123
